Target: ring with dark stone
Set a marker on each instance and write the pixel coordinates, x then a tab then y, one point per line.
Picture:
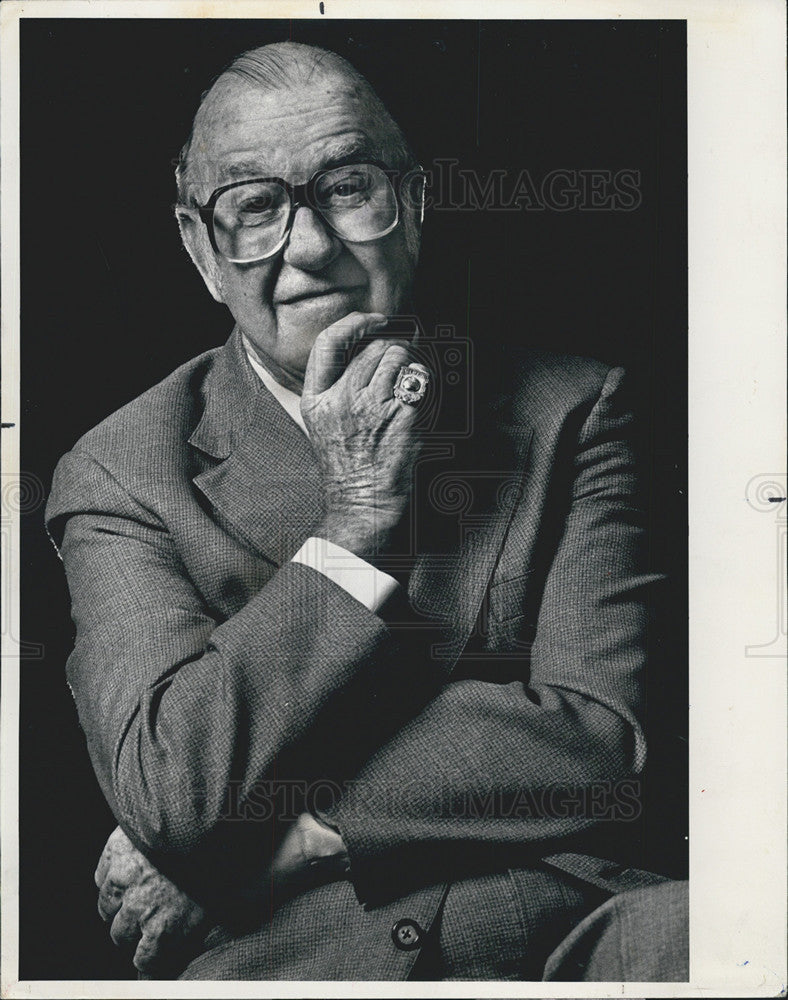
412	382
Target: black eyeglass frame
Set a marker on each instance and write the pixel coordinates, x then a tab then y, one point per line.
303	196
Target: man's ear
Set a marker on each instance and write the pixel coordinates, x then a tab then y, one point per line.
195	238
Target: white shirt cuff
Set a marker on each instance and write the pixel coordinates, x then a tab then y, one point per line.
366	583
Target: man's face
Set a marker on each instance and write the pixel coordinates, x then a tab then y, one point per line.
283	303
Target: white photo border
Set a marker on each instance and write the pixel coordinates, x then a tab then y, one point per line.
738	526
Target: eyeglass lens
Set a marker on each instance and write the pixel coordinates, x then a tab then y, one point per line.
357	201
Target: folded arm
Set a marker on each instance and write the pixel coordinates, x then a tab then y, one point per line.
489	773
186	717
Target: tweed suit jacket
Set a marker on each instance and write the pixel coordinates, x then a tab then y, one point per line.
458	725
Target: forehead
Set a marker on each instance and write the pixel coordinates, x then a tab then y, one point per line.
243	130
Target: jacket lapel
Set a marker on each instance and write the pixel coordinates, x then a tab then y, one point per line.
264	482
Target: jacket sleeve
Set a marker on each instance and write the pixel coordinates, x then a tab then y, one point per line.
490	772
188	719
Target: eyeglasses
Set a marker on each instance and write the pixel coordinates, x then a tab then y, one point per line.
250	221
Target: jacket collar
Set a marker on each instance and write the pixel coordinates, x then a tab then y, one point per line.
266	485
230	393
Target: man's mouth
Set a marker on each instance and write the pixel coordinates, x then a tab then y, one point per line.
314	293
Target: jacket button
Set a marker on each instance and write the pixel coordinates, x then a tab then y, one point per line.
407	935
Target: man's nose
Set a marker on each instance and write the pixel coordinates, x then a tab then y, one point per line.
311	246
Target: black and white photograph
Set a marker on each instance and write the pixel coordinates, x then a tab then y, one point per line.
353	501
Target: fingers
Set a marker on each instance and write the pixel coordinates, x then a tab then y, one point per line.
148	950
145	909
382	383
120	866
102	869
363	367
110	900
329	355
125	927
117	845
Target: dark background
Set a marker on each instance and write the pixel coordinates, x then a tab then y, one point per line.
111	304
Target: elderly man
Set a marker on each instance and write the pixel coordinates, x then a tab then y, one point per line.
276	594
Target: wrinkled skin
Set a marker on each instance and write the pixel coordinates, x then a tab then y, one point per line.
362	436
147	911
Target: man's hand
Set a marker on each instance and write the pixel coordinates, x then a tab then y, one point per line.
166	926
145	908
311	853
363	437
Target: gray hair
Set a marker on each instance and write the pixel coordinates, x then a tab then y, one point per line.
282	64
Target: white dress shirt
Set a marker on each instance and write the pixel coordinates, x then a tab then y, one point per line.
366	583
